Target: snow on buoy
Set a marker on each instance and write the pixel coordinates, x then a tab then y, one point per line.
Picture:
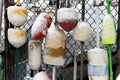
82	32
34	54
17	15
16	37
67	18
40	26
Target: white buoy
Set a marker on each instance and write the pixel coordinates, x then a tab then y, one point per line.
82	32
17	37
17	15
55	51
34	54
118	77
41	76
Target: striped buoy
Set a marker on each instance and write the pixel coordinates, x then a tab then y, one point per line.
98	64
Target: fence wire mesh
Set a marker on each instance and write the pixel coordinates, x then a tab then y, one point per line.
35	7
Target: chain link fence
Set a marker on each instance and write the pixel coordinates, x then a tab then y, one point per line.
35	7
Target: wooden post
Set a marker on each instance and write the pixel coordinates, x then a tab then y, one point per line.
118	42
118	33
9	54
1	7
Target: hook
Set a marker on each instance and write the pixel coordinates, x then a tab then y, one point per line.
100	4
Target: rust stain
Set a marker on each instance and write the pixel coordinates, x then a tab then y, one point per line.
20	11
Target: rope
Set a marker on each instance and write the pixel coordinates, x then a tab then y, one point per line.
18	2
82	64
75	63
97	24
83	10
56	8
82	43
